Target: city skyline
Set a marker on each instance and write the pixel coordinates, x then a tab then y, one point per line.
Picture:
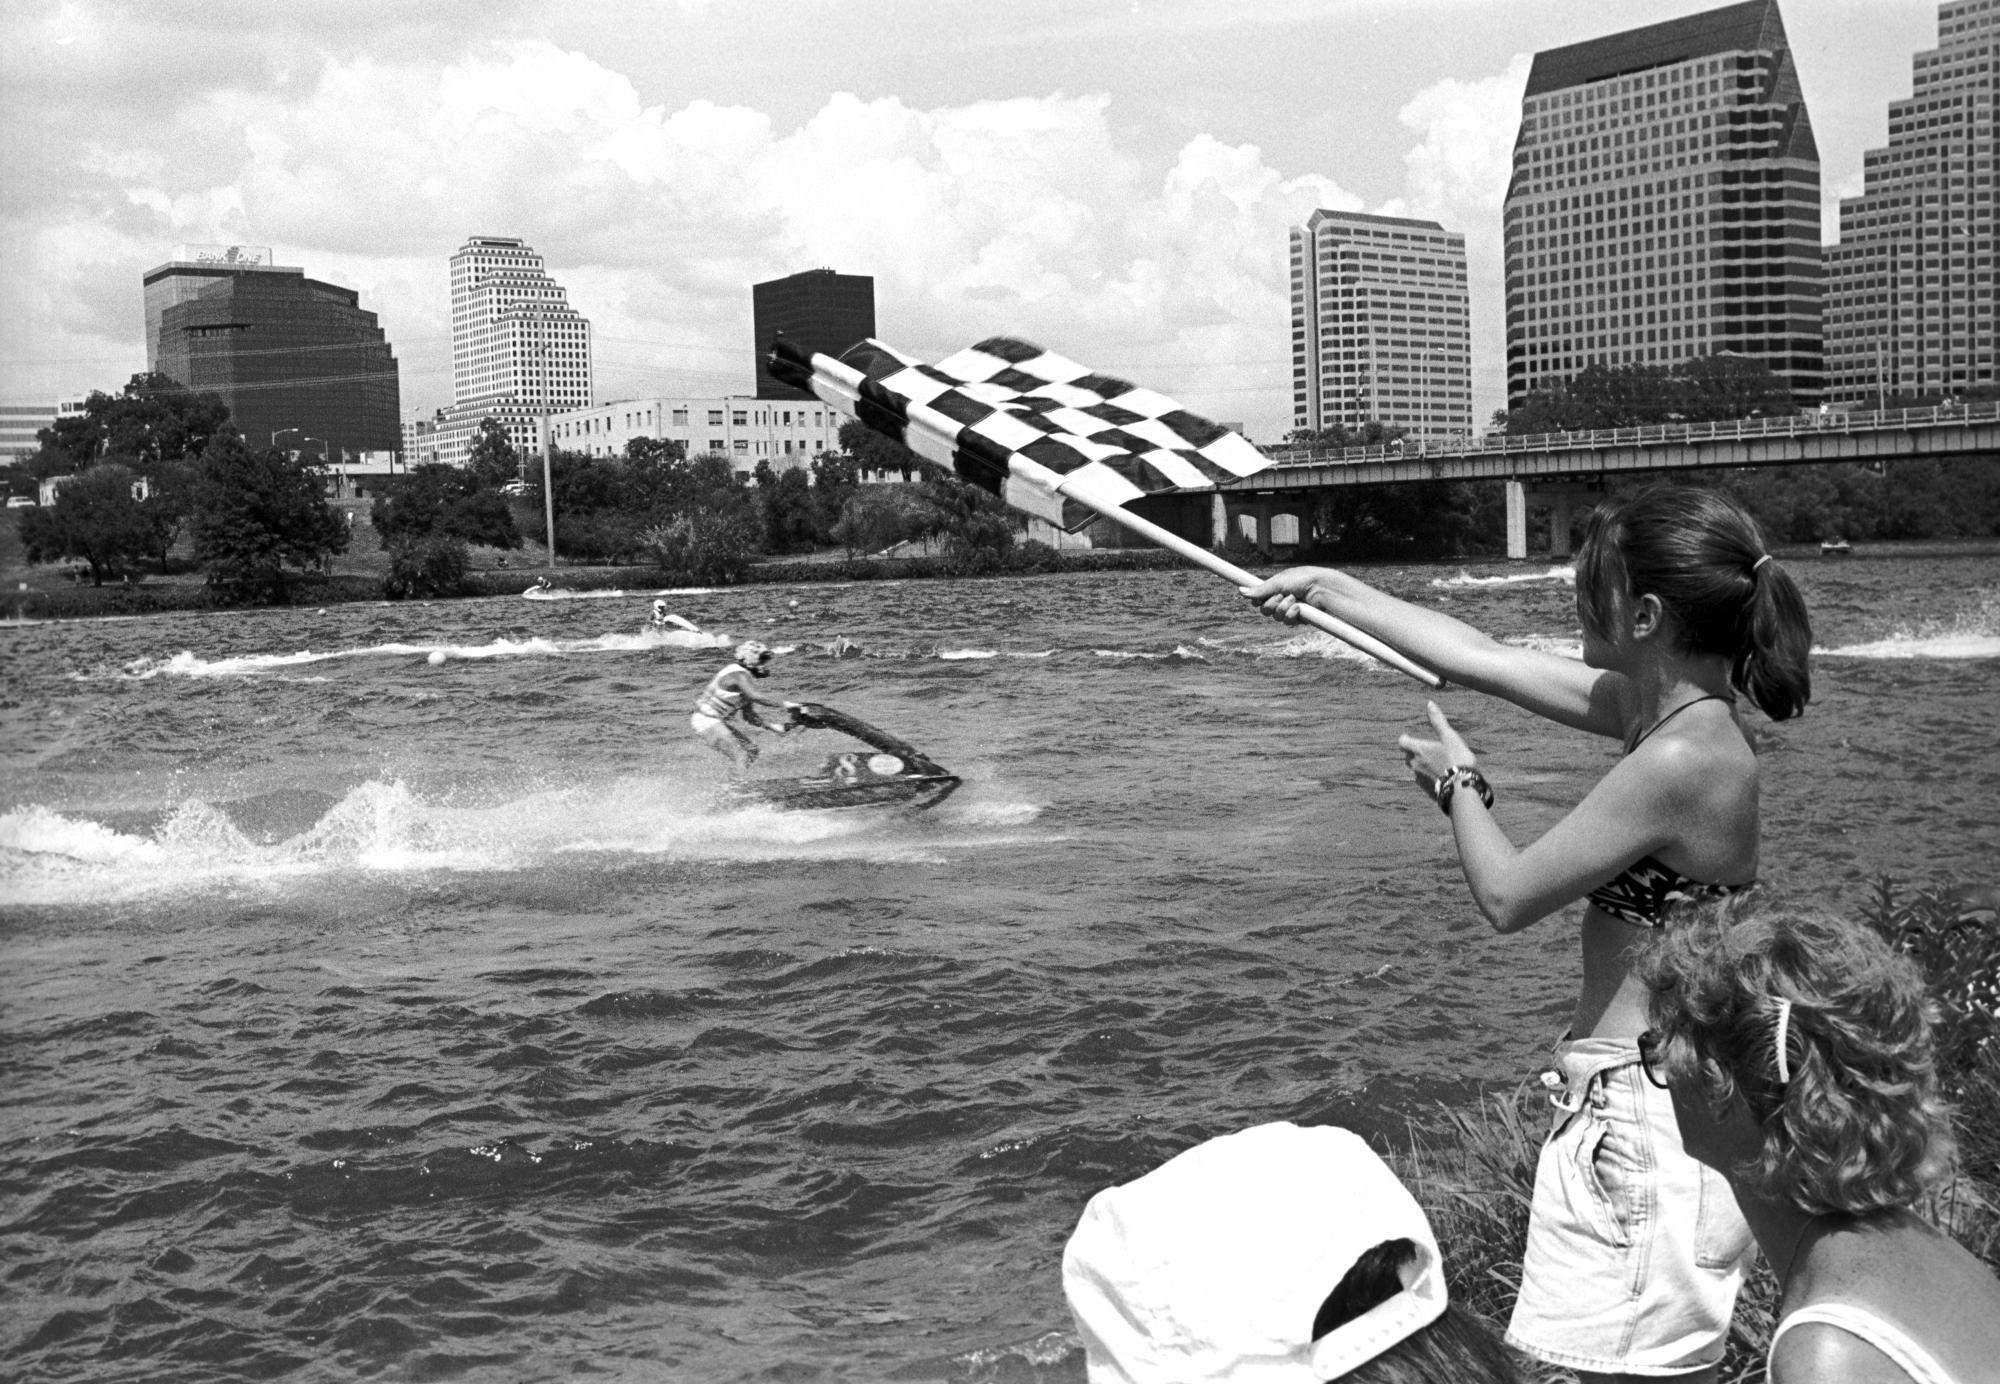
998	175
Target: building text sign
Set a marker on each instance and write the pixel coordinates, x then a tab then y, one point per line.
226	254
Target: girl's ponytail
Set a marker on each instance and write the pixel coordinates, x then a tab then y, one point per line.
1770	662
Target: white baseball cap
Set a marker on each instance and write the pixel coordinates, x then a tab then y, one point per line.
1214	1265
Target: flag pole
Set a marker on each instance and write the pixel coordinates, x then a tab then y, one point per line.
1223	567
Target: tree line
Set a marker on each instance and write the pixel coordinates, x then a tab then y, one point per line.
157	463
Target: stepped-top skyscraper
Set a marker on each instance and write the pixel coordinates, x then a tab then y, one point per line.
818	310
1665	204
1380	331
1910	293
518	349
286	353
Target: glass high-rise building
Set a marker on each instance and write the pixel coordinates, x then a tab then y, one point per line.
1380	328
518	349
818	310
1910	295
1665	204
286	353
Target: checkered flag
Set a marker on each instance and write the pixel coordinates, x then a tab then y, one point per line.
1052	438
1073	443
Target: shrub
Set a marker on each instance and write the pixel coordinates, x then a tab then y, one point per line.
424	567
1955	940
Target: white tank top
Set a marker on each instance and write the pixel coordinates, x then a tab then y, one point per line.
1909	1357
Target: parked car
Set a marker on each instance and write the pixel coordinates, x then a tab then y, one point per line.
20	502
514	488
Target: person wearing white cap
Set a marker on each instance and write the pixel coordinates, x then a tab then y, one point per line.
1282	1254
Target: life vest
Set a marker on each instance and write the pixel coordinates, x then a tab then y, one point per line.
719	701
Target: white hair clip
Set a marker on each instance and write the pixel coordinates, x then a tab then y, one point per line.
1784	1032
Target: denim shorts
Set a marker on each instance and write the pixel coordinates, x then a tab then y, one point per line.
1635	1250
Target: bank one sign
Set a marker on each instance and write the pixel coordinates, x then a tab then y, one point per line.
226	254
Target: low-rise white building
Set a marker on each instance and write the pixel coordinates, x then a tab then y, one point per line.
19	424
785	432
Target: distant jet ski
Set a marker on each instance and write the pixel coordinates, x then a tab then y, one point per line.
896	774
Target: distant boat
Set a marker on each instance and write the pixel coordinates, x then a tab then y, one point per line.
1835	547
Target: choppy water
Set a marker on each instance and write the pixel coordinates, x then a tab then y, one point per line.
389	995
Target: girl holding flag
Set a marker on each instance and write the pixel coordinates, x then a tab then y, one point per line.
1634	1250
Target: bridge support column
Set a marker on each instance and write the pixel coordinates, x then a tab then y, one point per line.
1218	522
1517	521
1559	526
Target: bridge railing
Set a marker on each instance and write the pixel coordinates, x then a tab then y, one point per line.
1733	429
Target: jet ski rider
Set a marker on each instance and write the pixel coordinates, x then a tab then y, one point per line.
730	693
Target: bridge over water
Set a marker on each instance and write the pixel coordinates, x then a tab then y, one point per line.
1562	469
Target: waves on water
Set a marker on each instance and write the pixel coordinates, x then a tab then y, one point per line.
192	665
1964	634
564	593
1554	576
188	664
388	829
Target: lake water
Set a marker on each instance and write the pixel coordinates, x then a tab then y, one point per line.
390	994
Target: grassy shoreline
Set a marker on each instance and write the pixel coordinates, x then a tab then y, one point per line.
53	592
50	592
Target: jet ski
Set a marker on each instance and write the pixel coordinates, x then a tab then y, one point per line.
890	773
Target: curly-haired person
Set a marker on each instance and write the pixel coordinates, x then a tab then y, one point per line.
1797	1050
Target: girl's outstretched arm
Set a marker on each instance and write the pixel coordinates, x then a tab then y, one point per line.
1639	808
1562	689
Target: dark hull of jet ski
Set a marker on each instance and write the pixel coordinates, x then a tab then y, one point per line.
816	794
897	774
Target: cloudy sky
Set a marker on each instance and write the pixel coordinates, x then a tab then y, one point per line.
1112	178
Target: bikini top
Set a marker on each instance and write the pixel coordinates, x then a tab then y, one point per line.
1909	1357
1642	893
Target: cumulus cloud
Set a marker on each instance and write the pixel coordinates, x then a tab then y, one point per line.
1025	215
1456	175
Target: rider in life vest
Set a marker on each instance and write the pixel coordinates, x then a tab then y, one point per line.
729	694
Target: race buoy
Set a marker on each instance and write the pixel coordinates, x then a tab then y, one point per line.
793	603
436	659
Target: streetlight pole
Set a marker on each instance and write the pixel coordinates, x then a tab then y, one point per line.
548	483
280	433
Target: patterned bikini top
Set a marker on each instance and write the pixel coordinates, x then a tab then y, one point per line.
1644	891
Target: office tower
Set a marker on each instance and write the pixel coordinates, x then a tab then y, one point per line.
1910	286
518	349
1665	204
1380	329
818	309
286	353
